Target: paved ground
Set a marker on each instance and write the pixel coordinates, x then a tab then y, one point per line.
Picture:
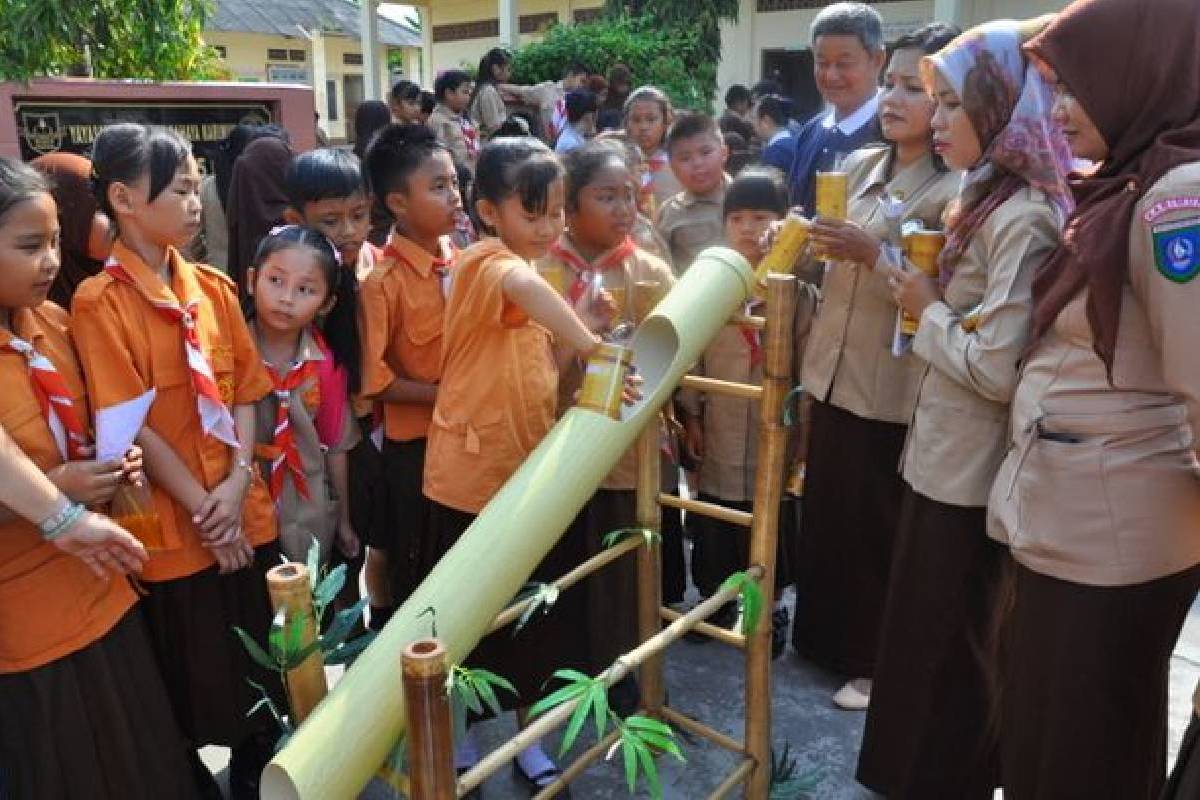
705	682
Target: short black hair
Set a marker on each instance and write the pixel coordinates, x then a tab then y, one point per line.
765	87
126	151
737	94
449	81
757	189
928	38
583	163
579	103
397	152
369	118
405	91
691	125
772	107
513	125
521	166
428	102
19	182
578	68
322	174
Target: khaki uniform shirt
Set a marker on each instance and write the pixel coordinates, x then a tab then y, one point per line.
849	362
301	520
488	111
957	436
731	423
691	223
447	127
1101	484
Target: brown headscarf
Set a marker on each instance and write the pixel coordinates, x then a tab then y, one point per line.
1134	66
257	199
71	184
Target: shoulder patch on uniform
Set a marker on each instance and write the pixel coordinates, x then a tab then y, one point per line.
1166	206
1177	249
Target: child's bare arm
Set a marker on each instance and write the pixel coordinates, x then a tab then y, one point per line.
535	297
166	470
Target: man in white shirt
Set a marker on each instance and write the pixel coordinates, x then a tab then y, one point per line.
581	121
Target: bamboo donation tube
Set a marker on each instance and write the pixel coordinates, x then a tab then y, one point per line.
764	531
430	737
289	587
335	753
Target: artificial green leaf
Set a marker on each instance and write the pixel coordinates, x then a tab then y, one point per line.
342	625
349	650
432	612
643	723
629	755
470	698
327	590
599	703
257	654
578	717
294	635
498	681
649	767
571	675
613	538
662	743
275	638
751	597
564	694
298	657
541	596
488	696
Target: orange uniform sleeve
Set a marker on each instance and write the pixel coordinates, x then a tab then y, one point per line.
108	360
376	315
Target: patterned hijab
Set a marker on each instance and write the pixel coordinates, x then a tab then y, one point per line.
1009	105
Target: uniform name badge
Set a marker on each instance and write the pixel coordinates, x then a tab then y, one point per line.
1177	249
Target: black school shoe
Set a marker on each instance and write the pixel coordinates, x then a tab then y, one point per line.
781	620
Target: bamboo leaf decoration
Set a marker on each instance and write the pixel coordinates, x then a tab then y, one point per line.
786	784
541	596
471	690
751	598
613	538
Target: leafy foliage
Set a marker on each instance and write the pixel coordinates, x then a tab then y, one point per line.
147	39
541	596
472	690
751	598
613	538
786	784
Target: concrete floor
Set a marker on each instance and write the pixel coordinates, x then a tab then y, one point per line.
705	682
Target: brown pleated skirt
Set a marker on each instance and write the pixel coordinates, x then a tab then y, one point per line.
555	640
402	522
611	593
1184	783
94	724
843	554
723	548
203	663
1084	709
931	726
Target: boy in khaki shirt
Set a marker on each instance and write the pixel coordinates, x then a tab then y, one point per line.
448	122
691	221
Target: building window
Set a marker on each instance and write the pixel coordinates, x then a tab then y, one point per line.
536	23
331	101
481	29
222	51
283	73
277	54
352	59
297	55
586	15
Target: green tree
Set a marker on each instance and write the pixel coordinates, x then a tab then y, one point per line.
146	39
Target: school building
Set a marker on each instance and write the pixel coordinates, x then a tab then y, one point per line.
317	43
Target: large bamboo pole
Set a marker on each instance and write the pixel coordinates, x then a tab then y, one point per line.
651	682
764	532
288	586
430	745
349	735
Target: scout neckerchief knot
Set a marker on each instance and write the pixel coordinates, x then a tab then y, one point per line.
470	136
753	336
215	419
55	399
287	458
585	272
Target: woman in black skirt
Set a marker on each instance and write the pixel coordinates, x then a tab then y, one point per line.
1099	499
863	394
928	725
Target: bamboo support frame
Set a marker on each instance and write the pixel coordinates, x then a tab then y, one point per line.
745	391
724	635
730	515
620	668
739	775
697	728
602	559
289	587
651	681
430	739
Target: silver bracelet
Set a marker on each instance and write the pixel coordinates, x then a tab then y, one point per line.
62	520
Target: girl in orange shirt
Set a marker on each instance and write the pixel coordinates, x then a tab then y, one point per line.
83	710
152	320
504	327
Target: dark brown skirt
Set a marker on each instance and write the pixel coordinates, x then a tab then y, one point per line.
723	548
1084	708
551	641
611	593
1184	783
402	521
203	663
843	553
94	724
366	470
931	729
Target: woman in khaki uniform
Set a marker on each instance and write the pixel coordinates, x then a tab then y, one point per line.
1099	497
863	395
927	727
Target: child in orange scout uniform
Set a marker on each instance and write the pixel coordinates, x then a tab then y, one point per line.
648	115
722	432
497	396
598	249
403	303
152	320
304	321
83	710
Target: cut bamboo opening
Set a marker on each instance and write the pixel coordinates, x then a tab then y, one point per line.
730	515
430	736
289	587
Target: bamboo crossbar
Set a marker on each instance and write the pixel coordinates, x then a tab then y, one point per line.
593	564
749	319
579	765
701	384
625	664
731	638
730	515
697	728
739	775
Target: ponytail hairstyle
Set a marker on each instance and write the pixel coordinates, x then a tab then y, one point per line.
19	182
340	325
496	57
127	151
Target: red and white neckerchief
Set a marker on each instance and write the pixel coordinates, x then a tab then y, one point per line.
753	337
55	399
441	265
585	272
215	419
470	135
287	454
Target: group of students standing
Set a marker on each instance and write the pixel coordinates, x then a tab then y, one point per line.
999	540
